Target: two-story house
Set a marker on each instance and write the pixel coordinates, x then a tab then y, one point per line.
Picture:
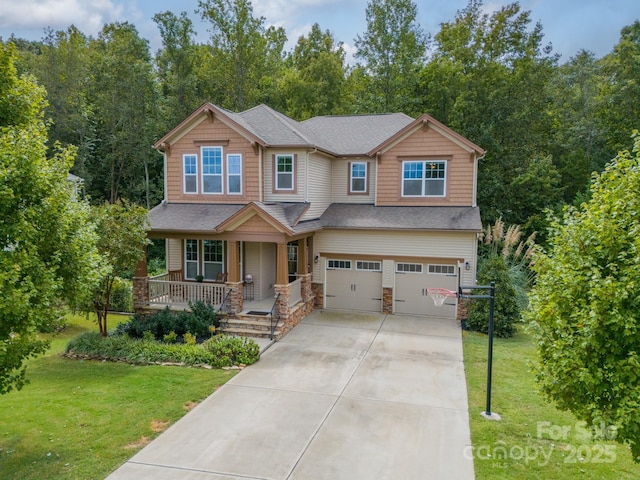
355	212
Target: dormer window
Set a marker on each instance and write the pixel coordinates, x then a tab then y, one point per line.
424	178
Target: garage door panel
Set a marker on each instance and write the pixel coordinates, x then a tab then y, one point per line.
411	296
353	289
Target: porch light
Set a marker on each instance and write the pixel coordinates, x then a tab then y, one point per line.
248	278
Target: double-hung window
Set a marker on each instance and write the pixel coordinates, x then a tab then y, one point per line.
424	178
358	177
284	166
212	258
212	169
234	173
190	165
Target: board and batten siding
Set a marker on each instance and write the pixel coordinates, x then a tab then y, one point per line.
340	181
389	245
300	169
318	186
174	254
211	134
427	144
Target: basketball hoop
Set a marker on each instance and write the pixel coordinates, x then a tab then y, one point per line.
439	295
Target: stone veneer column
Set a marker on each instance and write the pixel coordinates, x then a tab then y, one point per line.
140	293
305	287
387	300
318	294
235	302
283	302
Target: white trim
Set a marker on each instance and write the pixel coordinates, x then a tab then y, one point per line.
366	177
330	267
451	269
292	173
184	174
418	268
375	269
229	174
221	174
197	260
424	180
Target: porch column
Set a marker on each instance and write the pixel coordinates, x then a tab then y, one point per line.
233	268
282	269
303	266
141	284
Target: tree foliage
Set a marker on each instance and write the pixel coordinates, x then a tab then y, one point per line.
585	306
122	238
47	242
393	49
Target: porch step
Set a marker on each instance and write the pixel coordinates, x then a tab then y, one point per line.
251	326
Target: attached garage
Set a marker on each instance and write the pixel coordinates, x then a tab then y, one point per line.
354	285
412	281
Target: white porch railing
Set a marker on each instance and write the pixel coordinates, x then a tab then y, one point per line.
165	292
295	292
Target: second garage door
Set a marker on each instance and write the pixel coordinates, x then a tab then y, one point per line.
412	282
354	285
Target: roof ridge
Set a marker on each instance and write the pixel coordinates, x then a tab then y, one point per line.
278	116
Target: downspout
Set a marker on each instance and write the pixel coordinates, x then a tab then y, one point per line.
375	197
260	174
164	155
475	177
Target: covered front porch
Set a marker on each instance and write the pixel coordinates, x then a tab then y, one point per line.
248	267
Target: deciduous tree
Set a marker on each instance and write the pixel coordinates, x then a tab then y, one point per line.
48	255
585	306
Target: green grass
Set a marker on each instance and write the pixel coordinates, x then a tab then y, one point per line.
521	445
82	419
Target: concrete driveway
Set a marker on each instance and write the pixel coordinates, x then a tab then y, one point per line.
348	396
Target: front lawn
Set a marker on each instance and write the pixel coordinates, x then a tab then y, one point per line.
533	440
82	419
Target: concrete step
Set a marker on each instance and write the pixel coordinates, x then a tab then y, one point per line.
246	332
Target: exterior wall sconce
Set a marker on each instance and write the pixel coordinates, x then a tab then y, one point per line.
316	258
467	266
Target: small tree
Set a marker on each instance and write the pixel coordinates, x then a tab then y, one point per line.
585	307
122	228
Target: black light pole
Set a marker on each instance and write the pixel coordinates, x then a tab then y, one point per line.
491	296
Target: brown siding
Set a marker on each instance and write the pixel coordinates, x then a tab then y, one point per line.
426	144
212	133
255	225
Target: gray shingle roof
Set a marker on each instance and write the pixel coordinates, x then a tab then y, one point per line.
190	217
205	218
340	215
354	134
272	126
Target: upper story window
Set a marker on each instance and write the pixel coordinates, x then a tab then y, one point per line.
190	163
234	173
424	178
358	181
284	172
211	169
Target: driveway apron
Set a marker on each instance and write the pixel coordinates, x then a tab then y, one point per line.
353	396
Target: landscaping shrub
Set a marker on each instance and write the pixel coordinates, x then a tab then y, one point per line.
198	322
123	348
232	350
506	310
121	296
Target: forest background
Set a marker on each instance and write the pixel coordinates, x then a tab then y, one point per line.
546	125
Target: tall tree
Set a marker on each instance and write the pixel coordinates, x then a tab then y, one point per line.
621	106
314	82
585	306
125	100
62	67
176	66
47	242
393	50
486	79
245	56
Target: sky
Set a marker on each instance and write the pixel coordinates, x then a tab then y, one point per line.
569	25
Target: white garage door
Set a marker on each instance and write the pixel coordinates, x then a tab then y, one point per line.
354	285
412	281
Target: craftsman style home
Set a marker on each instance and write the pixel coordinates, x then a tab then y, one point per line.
263	213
